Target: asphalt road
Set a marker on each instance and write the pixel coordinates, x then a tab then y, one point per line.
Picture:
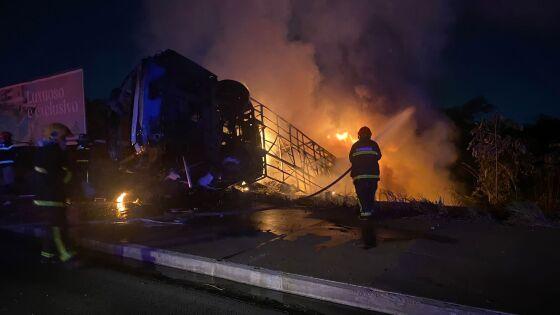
106	286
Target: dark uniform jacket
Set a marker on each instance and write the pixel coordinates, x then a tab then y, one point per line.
364	156
51	174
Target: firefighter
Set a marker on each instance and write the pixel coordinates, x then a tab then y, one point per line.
7	173
51	174
364	156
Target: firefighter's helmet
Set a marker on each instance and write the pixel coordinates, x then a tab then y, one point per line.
56	132
364	133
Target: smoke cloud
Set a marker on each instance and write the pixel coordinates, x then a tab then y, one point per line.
330	67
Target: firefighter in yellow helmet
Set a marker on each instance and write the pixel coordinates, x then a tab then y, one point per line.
364	156
51	175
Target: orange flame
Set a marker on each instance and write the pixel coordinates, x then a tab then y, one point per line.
121	206
342	136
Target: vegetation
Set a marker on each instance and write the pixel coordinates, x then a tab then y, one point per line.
502	162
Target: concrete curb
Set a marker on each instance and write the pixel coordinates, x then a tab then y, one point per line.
327	290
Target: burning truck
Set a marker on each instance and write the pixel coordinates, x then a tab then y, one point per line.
173	127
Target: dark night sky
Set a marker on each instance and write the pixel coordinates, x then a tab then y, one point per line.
41	38
506	51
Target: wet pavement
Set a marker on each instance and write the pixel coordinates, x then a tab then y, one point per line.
477	263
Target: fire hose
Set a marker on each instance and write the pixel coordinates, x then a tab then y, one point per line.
328	186
339	178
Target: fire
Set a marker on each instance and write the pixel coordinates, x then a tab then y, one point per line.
121	207
244	187
120	198
342	136
331	106
392	148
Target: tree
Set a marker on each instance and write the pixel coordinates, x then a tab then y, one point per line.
465	118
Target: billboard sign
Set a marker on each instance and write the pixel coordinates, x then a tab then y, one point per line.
26	108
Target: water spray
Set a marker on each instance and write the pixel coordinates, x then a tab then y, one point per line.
393	124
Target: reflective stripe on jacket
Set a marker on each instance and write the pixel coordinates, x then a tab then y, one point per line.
6	155
364	156
48	203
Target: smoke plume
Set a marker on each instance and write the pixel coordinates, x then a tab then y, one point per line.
329	67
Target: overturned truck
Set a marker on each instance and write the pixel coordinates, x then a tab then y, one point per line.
174	121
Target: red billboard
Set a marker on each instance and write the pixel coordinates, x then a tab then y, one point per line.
27	107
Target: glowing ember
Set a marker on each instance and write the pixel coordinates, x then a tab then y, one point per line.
121	207
120	198
342	136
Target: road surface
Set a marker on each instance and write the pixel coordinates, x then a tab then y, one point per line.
105	285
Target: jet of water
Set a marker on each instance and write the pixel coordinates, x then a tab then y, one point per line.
395	123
